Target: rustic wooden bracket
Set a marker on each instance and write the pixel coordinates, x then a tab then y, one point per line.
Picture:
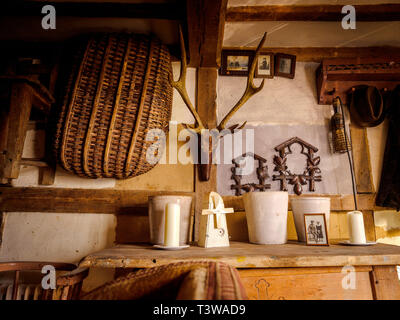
285	175
336	77
262	175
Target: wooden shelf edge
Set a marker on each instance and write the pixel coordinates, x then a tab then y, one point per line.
246	255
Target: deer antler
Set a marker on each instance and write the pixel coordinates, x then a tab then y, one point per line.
251	90
180	86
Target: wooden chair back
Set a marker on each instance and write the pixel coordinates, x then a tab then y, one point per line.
68	285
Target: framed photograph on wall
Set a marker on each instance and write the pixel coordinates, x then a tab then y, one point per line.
285	65
316	230
265	65
236	62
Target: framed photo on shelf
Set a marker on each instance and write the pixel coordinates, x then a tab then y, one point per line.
315	229
265	65
285	65
236	62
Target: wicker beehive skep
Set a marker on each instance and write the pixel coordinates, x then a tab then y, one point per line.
118	89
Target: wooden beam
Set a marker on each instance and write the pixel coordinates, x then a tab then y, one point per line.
60	200
2	224
18	117
172	10
369	225
317	54
385	283
206	96
206	20
362	162
378	12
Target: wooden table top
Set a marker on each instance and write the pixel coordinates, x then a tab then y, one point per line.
246	255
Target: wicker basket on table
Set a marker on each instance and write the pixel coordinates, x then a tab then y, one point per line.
117	90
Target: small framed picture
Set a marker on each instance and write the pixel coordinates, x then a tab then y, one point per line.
265	65
316	231
236	62
285	65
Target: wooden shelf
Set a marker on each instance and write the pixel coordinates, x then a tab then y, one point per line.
246	255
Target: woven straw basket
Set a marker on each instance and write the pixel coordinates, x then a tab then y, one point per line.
117	90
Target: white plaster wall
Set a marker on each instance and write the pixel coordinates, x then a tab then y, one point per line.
55	237
180	112
281	101
335	169
35	236
285	108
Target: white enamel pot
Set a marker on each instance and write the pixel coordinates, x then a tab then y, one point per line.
266	214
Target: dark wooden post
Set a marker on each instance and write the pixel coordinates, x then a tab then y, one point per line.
206	20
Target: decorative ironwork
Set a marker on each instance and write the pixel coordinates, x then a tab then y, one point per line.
309	175
262	175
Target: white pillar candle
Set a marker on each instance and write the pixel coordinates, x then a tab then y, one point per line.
172	224
356	227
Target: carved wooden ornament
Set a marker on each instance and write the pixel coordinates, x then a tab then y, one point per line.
309	175
262	175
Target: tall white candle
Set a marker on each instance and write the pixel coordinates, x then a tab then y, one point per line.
172	224
356	227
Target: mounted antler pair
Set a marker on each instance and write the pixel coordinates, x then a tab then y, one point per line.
180	86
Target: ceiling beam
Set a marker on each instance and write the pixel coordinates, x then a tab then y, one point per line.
317	54
205	25
170	10
378	12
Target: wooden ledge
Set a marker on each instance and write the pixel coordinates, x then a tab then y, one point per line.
246	255
62	200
